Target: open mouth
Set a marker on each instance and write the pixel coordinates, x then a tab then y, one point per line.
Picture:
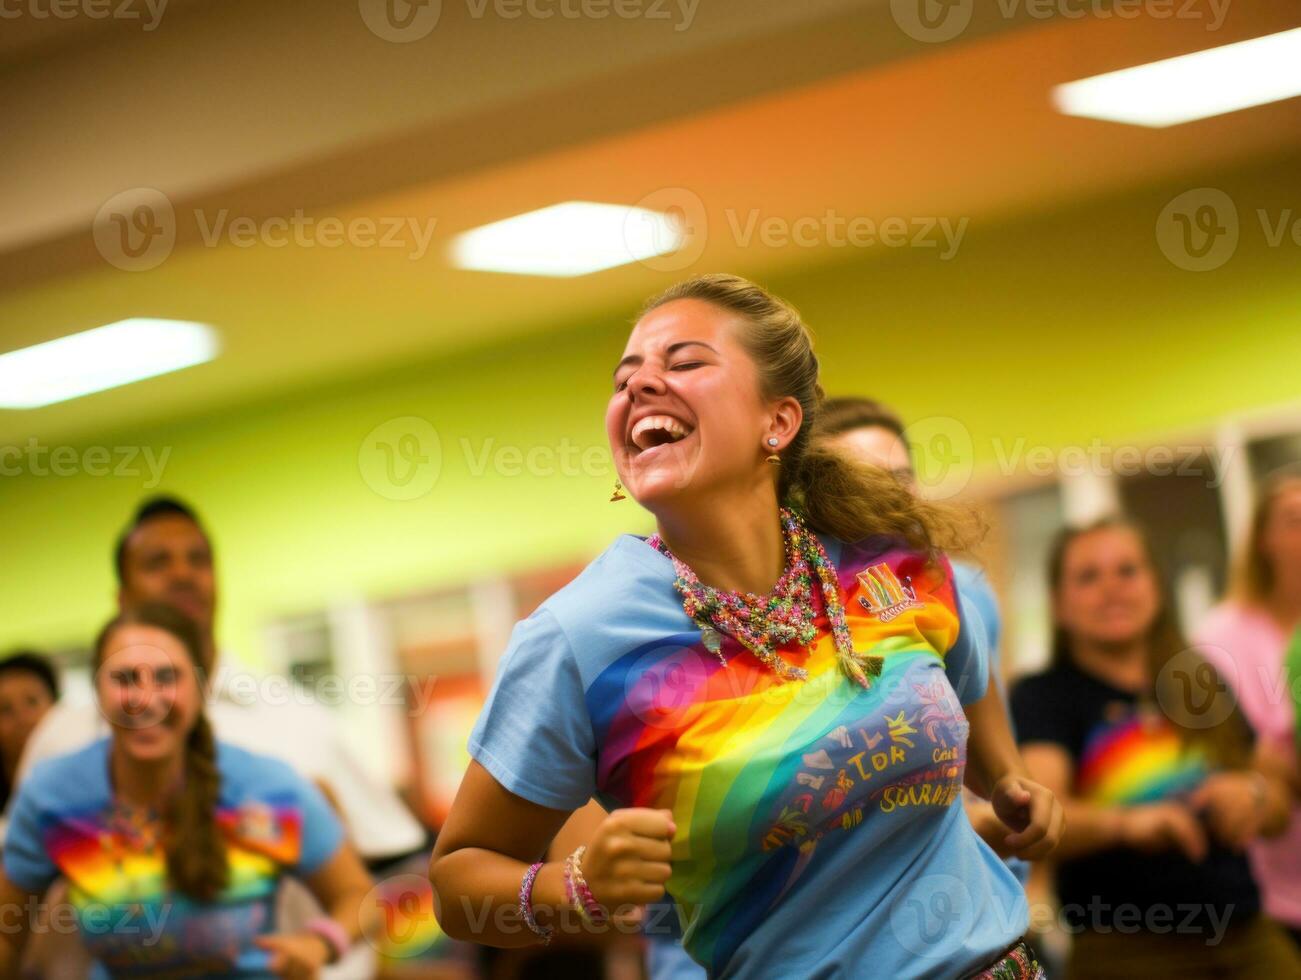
654	431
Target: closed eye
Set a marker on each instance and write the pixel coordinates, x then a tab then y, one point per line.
687	365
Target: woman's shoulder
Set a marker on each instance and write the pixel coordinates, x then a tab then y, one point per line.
71	780
628	579
1231	622
247	773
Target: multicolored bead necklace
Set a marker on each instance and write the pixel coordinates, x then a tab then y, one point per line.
786	615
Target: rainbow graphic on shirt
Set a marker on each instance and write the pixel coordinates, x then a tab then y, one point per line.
765	778
118	889
1137	758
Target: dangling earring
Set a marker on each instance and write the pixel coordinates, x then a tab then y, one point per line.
773	458
618	494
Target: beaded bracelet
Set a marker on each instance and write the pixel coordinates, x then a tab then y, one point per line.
526	904
334	935
577	892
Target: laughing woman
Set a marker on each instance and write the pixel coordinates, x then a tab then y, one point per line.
767	694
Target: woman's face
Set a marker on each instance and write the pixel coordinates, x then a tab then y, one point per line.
1108	593
149	692
24	699
1281	540
687	416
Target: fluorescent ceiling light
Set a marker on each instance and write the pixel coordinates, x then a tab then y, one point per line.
569	239
105	357
1191	86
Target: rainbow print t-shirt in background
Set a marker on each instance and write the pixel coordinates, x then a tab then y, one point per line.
1126	753
132	923
820	825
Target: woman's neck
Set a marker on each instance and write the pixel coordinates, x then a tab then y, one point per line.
144	784
1121	665
734	544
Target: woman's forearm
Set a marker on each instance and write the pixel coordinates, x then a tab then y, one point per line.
1089	828
477	896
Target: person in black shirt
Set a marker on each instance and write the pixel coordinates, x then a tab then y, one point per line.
1137	734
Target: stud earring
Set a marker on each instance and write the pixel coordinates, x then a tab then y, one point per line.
773	457
618	494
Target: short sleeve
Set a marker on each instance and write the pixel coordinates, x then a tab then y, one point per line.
26	861
322	831
967	662
535	734
1041	712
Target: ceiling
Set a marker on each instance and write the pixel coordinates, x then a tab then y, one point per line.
756	111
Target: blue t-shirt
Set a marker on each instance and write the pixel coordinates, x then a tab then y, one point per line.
130	919
819	825
975	590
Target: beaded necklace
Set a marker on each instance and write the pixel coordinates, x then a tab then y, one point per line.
786	615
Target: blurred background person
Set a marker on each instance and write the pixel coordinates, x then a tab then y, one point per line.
29	687
173	842
1247	637
165	555
1151	872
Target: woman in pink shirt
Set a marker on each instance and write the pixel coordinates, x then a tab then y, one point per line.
1246	638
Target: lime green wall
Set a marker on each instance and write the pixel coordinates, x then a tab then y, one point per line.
1059	330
